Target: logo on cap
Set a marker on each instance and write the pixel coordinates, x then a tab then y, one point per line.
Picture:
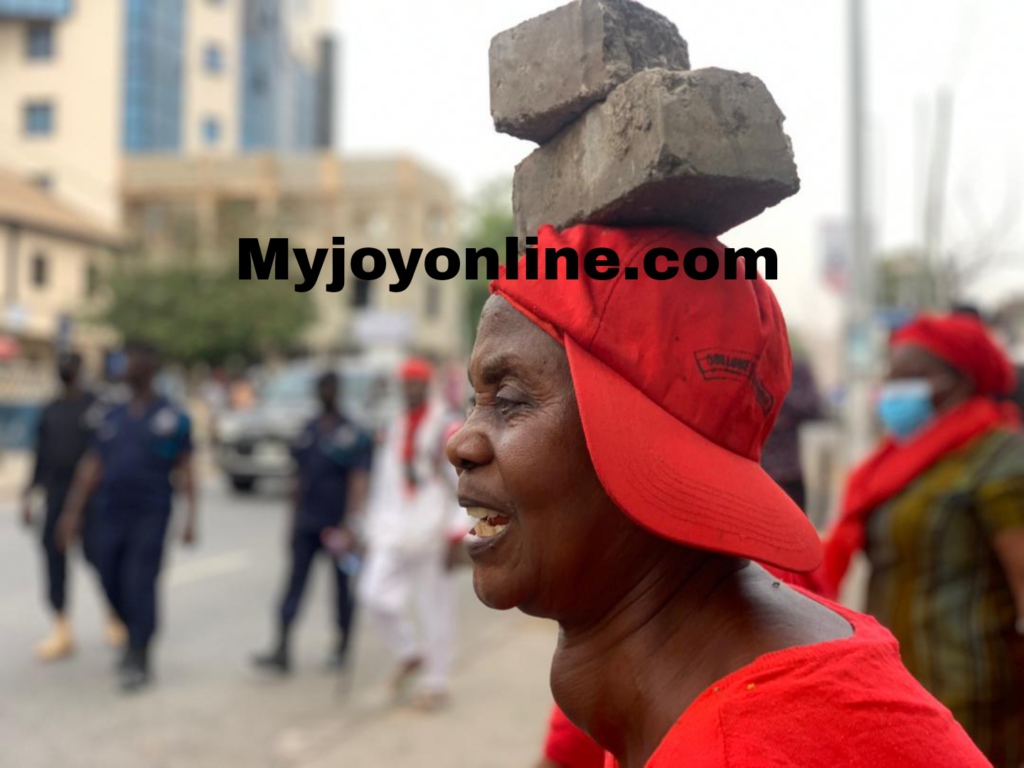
731	364
716	364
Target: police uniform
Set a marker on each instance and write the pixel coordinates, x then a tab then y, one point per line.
326	453
133	506
65	431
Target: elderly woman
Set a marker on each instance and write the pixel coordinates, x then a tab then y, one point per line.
611	463
939	511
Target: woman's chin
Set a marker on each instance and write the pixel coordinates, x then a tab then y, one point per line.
494	590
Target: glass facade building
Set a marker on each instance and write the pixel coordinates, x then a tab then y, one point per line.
263	48
304	87
155	42
280	93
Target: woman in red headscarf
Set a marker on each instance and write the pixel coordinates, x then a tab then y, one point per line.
938	509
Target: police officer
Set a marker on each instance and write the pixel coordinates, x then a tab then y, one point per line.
333	460
138	446
65	430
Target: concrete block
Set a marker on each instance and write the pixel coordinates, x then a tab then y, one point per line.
547	71
704	150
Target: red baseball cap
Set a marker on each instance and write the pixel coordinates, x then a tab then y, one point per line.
678	384
416	369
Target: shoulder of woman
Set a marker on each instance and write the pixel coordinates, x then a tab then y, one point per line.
1004	454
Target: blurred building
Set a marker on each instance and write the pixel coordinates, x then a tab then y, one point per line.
84	83
198	208
189	123
52	258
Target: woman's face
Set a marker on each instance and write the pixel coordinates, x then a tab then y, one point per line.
949	387
553	544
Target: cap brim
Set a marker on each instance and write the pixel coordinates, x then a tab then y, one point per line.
679	485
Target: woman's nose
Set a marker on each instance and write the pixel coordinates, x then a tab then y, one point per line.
468	447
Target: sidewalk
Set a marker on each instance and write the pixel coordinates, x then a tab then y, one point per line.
497	718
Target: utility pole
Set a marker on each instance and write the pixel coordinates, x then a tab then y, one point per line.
860	337
935	267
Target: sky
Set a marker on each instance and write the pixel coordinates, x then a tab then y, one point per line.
415	80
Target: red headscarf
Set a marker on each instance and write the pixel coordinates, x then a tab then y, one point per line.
965	344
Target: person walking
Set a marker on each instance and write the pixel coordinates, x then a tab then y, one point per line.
140	448
65	430
413	533
333	458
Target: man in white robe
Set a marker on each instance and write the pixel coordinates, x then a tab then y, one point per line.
413	526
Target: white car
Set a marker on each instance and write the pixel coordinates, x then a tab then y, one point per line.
256	443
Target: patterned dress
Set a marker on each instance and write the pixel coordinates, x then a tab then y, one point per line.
939	586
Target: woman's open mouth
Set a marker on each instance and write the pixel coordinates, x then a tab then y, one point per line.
489	523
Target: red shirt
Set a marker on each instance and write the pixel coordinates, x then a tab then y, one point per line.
569	747
848	703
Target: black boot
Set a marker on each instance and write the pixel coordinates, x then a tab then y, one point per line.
277	660
135	670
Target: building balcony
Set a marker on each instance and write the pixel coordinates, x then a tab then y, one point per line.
35	10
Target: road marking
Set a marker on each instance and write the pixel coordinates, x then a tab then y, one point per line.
199	570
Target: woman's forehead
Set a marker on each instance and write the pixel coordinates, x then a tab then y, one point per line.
507	340
911	357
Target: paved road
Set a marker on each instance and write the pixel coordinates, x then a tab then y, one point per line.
208	707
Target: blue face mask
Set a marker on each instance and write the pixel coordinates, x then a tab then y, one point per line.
905	405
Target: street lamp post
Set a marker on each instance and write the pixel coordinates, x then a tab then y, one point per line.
860	341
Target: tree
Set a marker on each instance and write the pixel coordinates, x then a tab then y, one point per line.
206	315
490	222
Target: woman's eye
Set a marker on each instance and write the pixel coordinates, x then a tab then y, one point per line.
509	401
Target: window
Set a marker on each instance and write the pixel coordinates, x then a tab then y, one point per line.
39	40
155	217
361	293
92	279
153	75
437	223
372	224
213	59
211	130
433	299
39	270
39	118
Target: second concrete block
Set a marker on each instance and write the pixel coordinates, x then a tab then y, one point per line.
704	150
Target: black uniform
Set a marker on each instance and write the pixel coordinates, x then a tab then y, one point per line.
133	507
326	452
65	432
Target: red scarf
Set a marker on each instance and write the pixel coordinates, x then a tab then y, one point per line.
888	471
413	420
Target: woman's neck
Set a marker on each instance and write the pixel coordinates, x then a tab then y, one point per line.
627	678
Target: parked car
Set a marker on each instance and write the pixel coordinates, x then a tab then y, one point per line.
255	444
